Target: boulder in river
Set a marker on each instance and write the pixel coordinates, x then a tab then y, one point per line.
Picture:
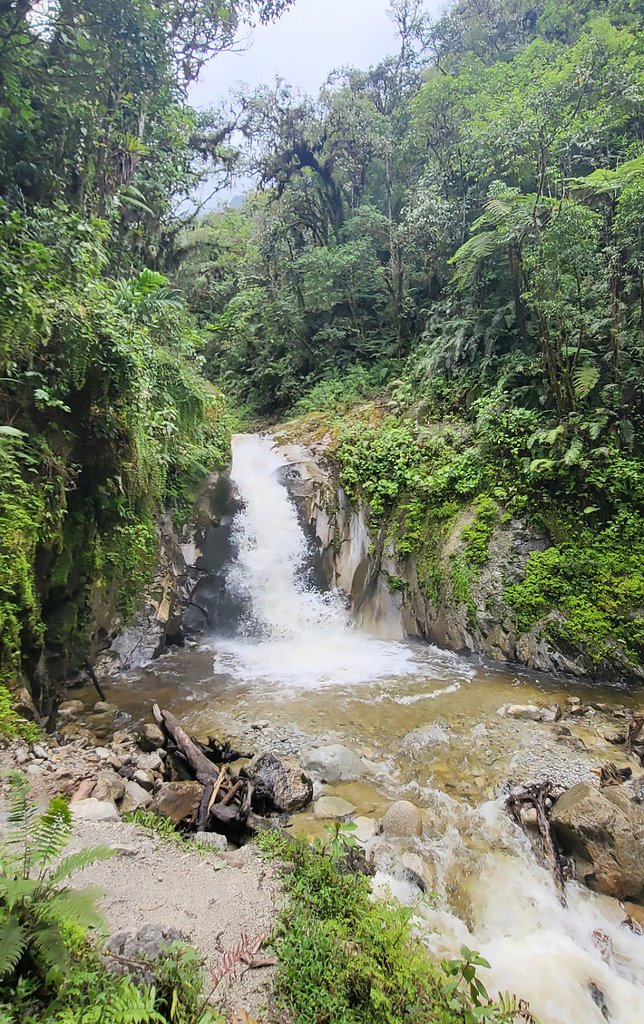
604	830
178	801
334	763
333	807
403	819
278	786
531	712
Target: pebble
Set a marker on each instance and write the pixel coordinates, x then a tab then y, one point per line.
211	840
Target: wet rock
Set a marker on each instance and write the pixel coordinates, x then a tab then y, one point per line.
71	709
109	786
366	829
94	810
140	950
531	712
211	840
334	763
24	705
403	819
150	737
178	801
636	914
135	797
278	786
412	870
605	829
332	807
103	707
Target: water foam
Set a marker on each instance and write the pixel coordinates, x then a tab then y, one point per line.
293	634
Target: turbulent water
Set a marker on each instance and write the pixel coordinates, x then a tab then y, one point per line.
427	723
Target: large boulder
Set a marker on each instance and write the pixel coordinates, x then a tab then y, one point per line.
604	830
150	737
334	763
178	801
403	819
278	786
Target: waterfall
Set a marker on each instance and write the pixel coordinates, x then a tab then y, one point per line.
292	633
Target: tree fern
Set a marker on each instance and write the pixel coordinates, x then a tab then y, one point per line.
584	379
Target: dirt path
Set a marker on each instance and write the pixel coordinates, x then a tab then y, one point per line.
210	901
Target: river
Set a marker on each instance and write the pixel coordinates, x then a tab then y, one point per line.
427	725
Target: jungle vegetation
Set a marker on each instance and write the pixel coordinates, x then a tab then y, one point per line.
444	255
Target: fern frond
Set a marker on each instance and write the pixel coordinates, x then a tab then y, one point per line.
13	890
13	941
50	833
77	862
78	905
21	815
472	253
49	948
584	379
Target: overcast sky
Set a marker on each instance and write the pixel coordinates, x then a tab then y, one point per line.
307	42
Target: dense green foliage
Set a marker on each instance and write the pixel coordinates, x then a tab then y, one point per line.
460	231
105	415
388	976
50	970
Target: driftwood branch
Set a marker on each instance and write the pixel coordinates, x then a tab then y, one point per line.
536	796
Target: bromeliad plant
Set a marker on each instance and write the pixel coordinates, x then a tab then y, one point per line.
36	904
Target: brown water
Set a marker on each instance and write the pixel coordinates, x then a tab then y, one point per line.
428	727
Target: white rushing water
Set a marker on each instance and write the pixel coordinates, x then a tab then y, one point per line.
491	894
296	636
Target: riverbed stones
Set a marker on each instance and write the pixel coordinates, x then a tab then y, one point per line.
604	829
178	801
334	763
135	798
109	786
94	810
150	737
332	807
277	785
366	829
403	819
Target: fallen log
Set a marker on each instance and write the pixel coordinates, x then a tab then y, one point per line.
203	769
610	775
537	795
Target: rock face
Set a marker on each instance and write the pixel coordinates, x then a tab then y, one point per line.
403	819
389	596
604	830
183	596
334	763
278	786
178	801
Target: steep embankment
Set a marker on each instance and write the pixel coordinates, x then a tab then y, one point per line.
438	530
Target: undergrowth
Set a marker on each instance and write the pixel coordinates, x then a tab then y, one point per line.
345	958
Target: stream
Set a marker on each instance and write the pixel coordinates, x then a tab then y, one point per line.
294	673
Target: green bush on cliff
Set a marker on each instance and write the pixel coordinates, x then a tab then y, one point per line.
107	421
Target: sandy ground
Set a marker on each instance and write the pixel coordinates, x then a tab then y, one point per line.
151	881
